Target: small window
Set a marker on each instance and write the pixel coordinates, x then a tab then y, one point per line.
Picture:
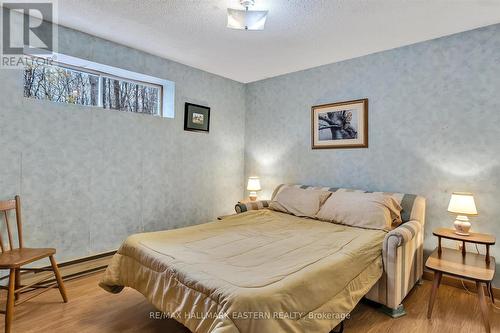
76	81
59	84
130	96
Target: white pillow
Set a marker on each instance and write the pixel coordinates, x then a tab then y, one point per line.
364	210
298	201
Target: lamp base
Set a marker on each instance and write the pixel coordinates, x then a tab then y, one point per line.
462	225
252	196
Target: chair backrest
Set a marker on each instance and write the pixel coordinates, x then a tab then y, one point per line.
5	207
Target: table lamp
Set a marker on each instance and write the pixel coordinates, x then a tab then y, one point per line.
463	204
253	186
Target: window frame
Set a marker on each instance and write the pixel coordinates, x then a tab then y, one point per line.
167	88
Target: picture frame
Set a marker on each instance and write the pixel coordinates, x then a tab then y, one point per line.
340	125
196	118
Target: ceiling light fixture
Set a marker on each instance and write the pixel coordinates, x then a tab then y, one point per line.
246	19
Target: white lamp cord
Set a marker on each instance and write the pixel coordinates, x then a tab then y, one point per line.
489	290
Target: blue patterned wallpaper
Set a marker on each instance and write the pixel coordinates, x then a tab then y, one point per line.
434	126
89	177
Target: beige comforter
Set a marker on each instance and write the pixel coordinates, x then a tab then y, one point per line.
260	271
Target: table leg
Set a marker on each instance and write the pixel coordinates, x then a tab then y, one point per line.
490	288
483	306
435	286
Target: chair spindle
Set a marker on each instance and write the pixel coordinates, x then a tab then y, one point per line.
1	243
19	223
11	243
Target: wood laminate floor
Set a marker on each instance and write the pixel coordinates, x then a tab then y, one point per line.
91	309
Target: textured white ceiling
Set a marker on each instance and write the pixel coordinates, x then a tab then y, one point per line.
299	34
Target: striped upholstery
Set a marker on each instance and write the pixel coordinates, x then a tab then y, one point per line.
252	205
402	250
402	255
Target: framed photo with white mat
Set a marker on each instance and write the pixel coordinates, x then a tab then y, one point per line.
340	125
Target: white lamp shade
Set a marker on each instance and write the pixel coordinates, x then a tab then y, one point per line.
462	203
253	184
246	19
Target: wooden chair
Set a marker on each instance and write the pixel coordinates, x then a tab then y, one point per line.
13	258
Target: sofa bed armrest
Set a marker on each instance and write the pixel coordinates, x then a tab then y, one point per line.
403	234
402	255
242	207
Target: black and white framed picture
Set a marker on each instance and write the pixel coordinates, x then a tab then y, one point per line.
340	125
196	117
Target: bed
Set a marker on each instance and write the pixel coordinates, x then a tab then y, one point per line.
256	271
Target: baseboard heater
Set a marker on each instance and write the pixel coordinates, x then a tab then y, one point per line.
71	269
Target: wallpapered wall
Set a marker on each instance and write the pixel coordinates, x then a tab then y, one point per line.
89	177
434	126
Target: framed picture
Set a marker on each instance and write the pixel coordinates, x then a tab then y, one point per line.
196	117
340	125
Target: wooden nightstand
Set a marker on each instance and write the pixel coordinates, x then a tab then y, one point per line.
471	266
